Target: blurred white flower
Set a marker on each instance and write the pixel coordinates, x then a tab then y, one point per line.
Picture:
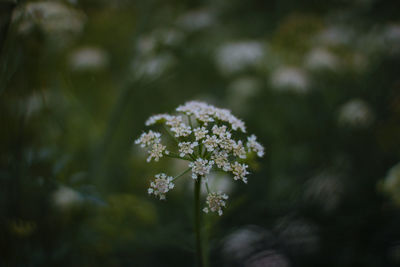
237	56
146	45
392	33
51	16
243	243
391	37
152	67
196	20
300	236
239	92
32	104
334	35
254	146
356	113
170	36
320	58
268	258
88	58
391	183
290	79
325	190
65	197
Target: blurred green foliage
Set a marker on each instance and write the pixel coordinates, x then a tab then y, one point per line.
317	82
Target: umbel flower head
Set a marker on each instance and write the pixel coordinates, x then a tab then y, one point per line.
209	139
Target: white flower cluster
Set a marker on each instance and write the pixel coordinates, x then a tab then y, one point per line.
152	141
215	202
205	136
161	185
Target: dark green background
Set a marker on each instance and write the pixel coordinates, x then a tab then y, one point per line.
69	127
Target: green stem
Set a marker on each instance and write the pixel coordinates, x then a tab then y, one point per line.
176	157
183	173
197	225
208	189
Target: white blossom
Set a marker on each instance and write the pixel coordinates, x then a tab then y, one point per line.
157	118
196	20
204	118
221	131
148	139
255	146
200	133
161	185
186	148
200	167
237	124
65	197
181	130
88	58
239	171
210	142
237	56
221	160
238	150
156	152
207	113
290	79
174	121
320	58
356	113
215	202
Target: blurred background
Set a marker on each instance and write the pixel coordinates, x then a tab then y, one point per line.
317	81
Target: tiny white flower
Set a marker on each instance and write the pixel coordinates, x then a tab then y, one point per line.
237	124
221	160
221	131
226	143
240	171
215	202
148	139
211	142
186	148
156	152
255	146
181	130
356	113
157	118
238	150
161	185
204	117
200	133
200	167
174	121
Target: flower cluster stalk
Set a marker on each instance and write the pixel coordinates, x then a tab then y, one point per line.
209	139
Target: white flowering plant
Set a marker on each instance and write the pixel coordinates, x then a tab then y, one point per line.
204	136
208	138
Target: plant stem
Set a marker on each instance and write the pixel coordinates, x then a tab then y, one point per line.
180	175
197	224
